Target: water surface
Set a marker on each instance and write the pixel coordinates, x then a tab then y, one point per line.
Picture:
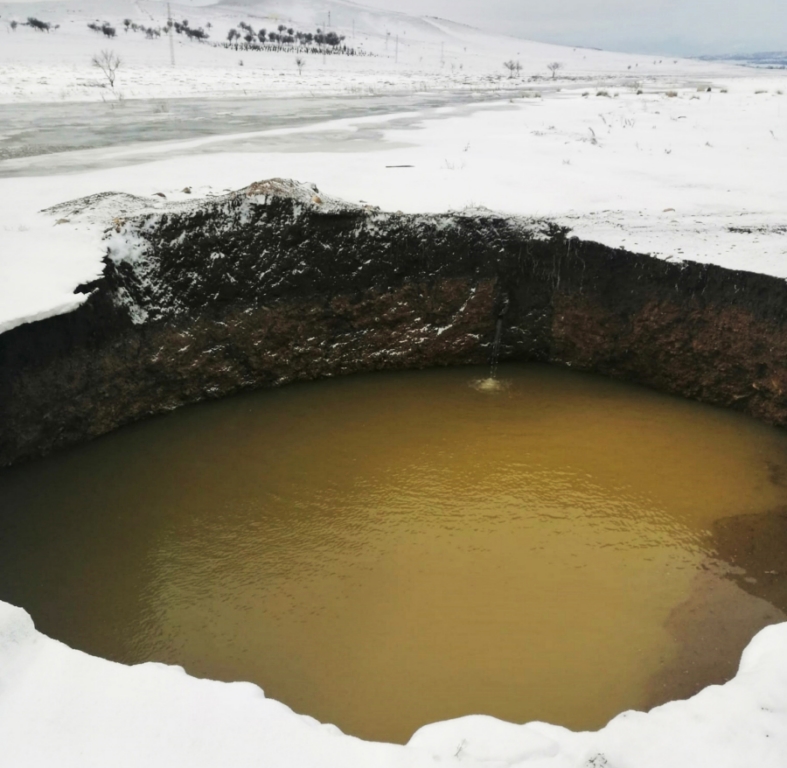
388	550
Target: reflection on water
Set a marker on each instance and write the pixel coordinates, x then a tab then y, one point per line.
389	550
490	384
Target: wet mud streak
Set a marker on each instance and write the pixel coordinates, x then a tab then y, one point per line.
721	615
756	547
711	628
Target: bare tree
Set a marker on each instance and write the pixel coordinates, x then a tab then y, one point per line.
109	63
554	67
300	63
513	67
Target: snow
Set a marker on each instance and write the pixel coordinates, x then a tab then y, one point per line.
60	707
691	176
658	165
41	262
430	55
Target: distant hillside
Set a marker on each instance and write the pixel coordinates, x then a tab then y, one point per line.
765	60
285	47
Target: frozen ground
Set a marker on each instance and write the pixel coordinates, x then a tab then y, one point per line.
681	173
53	127
60	707
631	151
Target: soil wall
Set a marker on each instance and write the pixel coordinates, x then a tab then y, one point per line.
274	284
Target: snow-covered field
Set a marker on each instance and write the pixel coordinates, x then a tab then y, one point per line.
631	151
672	171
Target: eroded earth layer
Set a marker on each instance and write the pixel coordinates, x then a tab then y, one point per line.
278	282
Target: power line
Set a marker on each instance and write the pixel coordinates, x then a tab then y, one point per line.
171	41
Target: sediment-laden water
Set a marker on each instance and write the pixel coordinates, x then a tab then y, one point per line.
387	550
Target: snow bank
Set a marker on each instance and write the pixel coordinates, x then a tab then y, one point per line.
62	708
42	263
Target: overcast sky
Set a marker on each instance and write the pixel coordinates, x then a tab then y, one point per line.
647	26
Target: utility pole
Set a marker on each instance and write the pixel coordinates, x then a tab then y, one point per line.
329	19
171	41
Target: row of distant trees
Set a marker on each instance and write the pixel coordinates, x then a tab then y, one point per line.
183	28
180	27
287	39
33	23
242	38
149	32
284	35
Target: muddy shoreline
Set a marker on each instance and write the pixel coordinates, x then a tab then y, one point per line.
277	283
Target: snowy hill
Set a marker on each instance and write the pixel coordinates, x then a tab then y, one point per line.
400	52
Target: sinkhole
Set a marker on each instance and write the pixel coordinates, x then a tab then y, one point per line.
386	550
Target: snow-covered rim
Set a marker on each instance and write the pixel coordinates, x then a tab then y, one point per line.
61	707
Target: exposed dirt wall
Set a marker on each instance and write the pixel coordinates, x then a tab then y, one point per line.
270	285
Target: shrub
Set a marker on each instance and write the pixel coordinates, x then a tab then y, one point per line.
105	28
37	24
554	67
513	67
198	34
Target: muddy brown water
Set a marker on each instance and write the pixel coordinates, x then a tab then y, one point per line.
388	550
